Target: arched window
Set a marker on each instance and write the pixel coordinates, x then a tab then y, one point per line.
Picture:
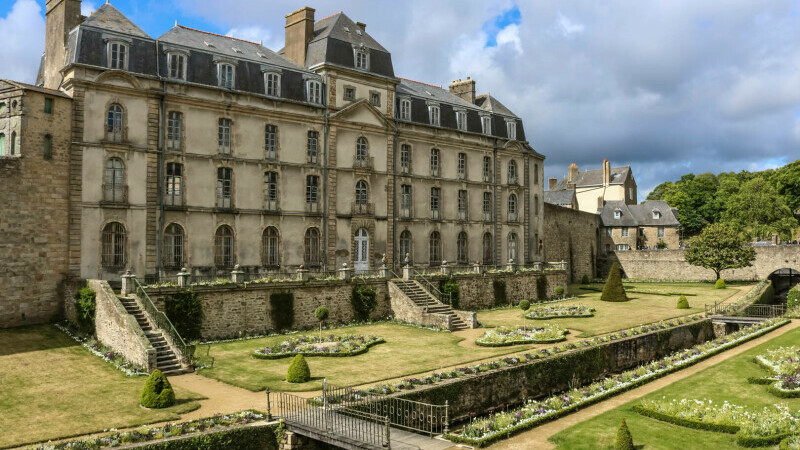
2	145
361	150
462	246
512	172
223	247
512	208
113	246
435	248
13	143
47	147
114	122
488	252
362	195
173	246
512	247
405	246
311	254
114	187
270	243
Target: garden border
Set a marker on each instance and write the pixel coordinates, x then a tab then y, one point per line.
272	356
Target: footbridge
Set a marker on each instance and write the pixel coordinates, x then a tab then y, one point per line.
743	315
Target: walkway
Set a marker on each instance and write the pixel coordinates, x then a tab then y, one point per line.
538	438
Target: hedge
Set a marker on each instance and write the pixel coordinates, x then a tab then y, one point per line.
499	288
450	287
185	311
262	437
85	305
363	302
298	370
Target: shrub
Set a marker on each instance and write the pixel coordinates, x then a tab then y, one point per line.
720	284
499	288
321	313
185	311
449	287
661	245
682	302
793	298
298	370
281	310
559	291
541	288
624	439
363	301
585	279
613	291
524	305
85	305
157	392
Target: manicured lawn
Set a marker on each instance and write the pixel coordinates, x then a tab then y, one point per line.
726	381
611	316
52	388
408	350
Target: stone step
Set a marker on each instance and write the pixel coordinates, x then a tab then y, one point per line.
163	359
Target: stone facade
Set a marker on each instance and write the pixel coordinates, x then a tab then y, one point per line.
116	328
572	236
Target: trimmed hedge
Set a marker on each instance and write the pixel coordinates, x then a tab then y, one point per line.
185	311
157	391
281	310
85	305
240	438
683	303
524	305
719	284
624	439
363	301
585	279
559	291
298	370
613	291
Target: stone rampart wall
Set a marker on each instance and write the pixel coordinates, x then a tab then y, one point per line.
477	291
119	330
571	235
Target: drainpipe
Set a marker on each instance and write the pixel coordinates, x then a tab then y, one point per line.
160	170
495	205
325	179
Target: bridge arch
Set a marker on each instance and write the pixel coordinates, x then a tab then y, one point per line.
782	280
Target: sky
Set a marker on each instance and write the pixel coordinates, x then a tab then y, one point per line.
666	86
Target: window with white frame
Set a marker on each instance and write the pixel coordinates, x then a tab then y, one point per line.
312	193
271	191
487	169
405	109
656	214
433	115
362	59
224	135
486	124
176	63
461	120
272	84
436	195
462	166
117	55
617	214
511	129
225	75
224	187
405	201
512	172
624	232
661	232
405	158
270	243
462	248
623	247
512	208
174	184
487	206
462	204
314	92
313	147
271	142
435	162
405	245
174	130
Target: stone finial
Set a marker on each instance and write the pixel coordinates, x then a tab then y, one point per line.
237	276
344	272
127	283
183	278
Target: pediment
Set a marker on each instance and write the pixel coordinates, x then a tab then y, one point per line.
118	78
362	112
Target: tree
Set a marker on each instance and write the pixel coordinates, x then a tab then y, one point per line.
321	314
613	291
719	247
759	210
624	439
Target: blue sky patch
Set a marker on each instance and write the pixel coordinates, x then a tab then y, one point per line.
511	16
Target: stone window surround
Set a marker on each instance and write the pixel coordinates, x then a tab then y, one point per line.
263	247
121	158
220	63
349	88
232	190
185	245
360	49
109	40
372	94
407	101
461	125
266	72
234	246
123	125
306	251
230	136
174	160
356	188
308	81
182	146
126	246
406	169
511	129
434	112
277	190
277	142
486	125
173	52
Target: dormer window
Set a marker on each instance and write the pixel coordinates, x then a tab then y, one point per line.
225	75
117	55
314	92
511	129
486	124
176	62
362	59
272	84
237	49
617	214
405	109
656	214
461	120
433	115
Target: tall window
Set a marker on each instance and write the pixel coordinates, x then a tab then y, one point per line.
512	172
535	205
272	84
174	130
435	203
512	247
462	204
173	246
405	201
405	158
13	143
512	208
313	146
48	105
362	60
362	194
487	206
661	232
405	109
314	92
174	185
117	55
486	124
461	120
177	66
114	188
435	162
113	123
462	248
488	249
462	166
435	248
487	169
113	246
625	232
311	254
2	145
270	244
536	174
223	247
225	75
433	115
271	142
362	152
312	193
47	147
511	128
224	135
405	245
271	191
224	187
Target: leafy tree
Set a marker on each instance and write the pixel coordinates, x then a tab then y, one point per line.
624	439
787	182
157	391
613	291
719	247
759	210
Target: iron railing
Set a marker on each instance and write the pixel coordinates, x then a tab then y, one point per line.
162	322
756	311
428	284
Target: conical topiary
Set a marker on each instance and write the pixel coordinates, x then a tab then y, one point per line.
298	370
624	439
613	290
720	284
682	302
157	392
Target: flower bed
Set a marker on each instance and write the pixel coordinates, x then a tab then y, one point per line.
107	354
505	336
145	434
790	443
784	363
753	428
560	312
348	345
484	431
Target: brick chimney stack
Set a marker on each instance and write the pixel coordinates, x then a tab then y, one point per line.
299	32
61	17
606	172
551	183
464	89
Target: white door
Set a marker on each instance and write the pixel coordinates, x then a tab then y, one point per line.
361	259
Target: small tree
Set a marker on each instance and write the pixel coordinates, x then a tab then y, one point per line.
682	302
85	305
157	391
321	314
719	247
613	291
559	291
298	370
624	439
524	305
719	284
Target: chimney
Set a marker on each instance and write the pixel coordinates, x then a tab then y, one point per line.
606	172
61	17
362	25
464	89
299	32
551	183
572	173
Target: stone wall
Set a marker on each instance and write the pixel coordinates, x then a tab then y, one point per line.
672	265
477	291
233	310
119	330
571	235
406	310
481	393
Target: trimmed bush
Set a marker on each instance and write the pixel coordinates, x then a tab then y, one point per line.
720	284
281	310
298	370
363	301
185	311
624	439
613	291
524	305
449	287
585	279
499	288
683	303
85	304
559	291
321	313
157	392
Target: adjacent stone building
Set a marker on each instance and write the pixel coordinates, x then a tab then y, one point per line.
651	225
593	188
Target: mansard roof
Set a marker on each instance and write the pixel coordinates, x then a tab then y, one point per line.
491	104
109	18
638	215
594	177
431	92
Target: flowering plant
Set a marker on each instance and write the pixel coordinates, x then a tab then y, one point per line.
349	345
784	363
504	336
554	312
100	350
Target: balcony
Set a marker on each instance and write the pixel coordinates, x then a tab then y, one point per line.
312	207
513	180
405	213
513	217
362	209
173	200
271	155
363	163
435	214
271	205
405	169
116	134
115	194
224	202
434	171
462	215
462	175
487	217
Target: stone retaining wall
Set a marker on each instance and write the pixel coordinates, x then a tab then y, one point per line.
119	330
477	291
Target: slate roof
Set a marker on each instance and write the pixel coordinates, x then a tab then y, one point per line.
109	18
638	215
565	197
431	92
491	104
30	87
337	25
594	177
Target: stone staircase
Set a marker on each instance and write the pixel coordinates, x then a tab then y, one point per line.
166	360
424	299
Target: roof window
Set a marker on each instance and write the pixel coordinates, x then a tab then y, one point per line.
237	50
209	44
347	29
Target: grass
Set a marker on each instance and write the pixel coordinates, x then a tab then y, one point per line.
54	388
726	381
407	351
612	316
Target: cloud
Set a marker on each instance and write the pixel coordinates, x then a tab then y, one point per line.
257	34
87	8
510	35
797	129
23	41
568	27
